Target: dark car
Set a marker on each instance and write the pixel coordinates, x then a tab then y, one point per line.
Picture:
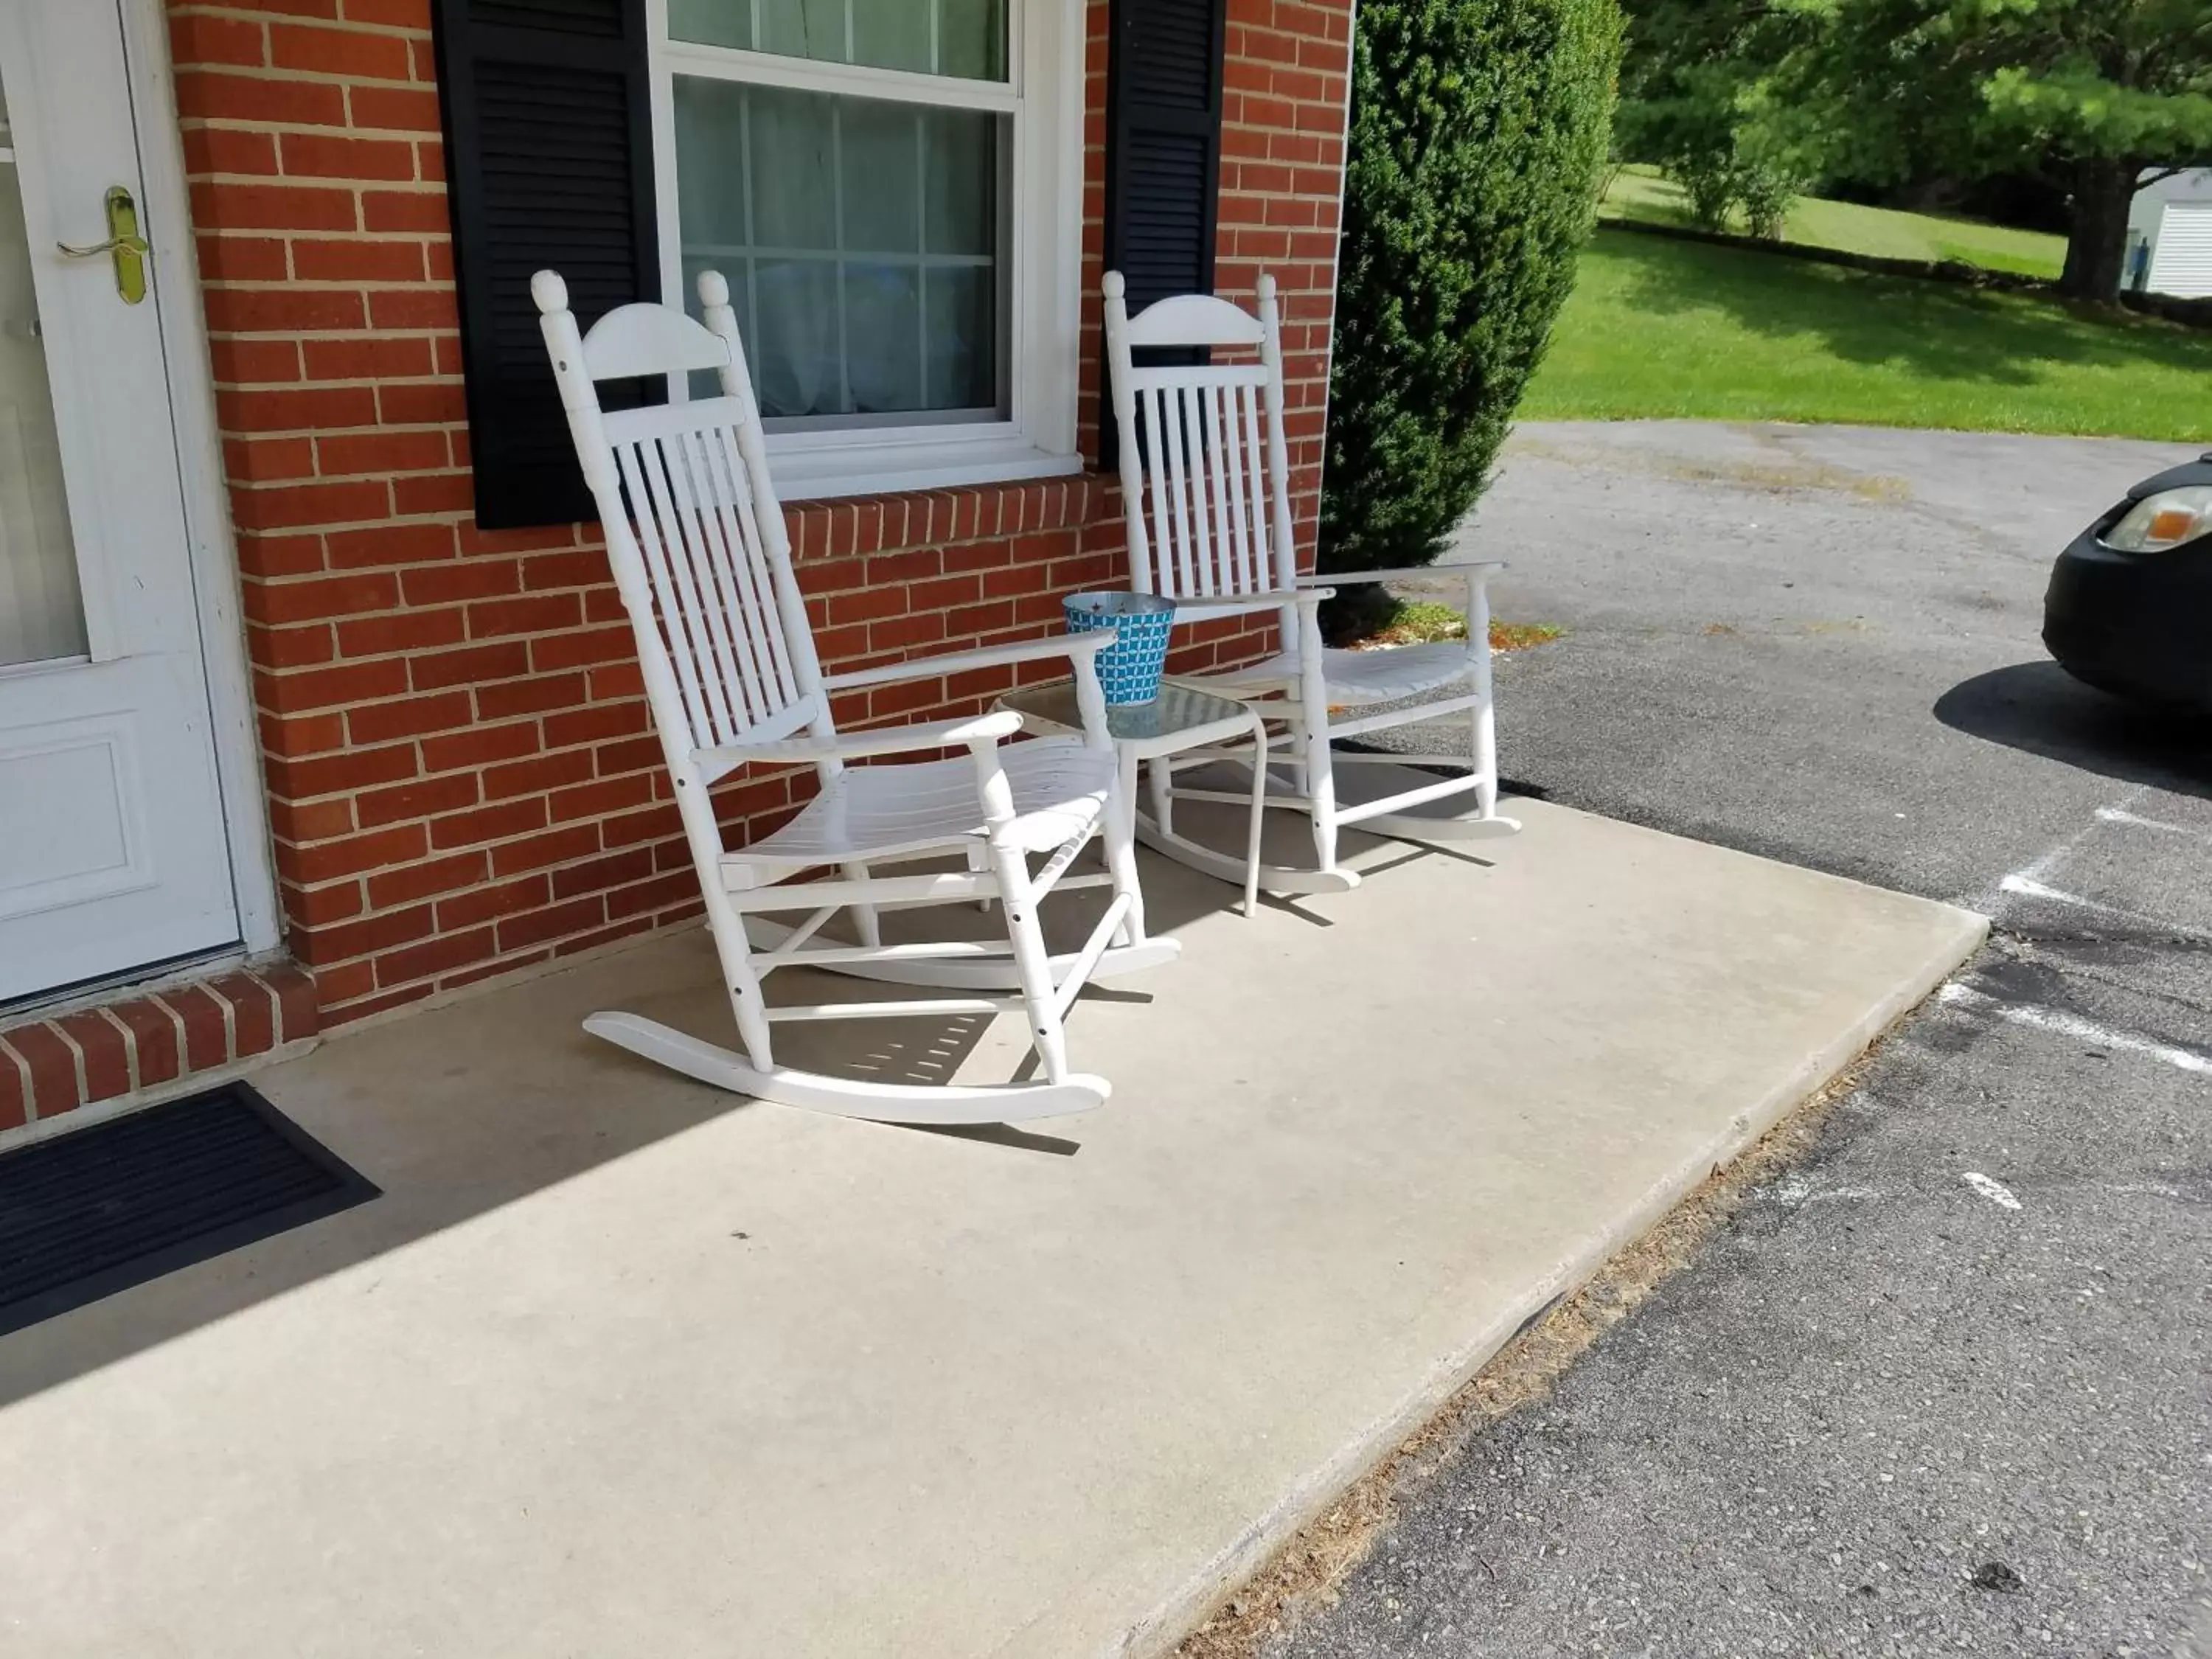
2130	609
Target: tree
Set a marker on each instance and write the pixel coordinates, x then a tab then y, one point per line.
2090	95
1693	100
1479	129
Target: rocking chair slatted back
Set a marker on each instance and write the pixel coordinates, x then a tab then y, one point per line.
1202	449
698	531
694	533
1201	456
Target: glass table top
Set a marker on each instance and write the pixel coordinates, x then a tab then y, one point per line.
1177	708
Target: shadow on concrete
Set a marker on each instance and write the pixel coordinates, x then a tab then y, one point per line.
2038	707
457	1112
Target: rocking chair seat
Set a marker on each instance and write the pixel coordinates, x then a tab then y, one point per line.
1359	677
1060	787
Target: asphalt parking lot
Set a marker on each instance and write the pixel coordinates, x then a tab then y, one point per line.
1947	1386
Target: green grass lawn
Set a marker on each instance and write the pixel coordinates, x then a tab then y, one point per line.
1658	328
1638	193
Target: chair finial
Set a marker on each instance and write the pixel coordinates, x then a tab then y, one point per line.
714	288
1114	286
1266	285
551	292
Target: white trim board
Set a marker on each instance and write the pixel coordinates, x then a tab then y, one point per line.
214	550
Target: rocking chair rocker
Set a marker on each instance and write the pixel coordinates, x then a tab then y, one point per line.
1203	447
697	538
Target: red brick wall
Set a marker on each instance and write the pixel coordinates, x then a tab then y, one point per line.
461	774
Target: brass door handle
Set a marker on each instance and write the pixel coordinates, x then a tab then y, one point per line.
124	245
133	244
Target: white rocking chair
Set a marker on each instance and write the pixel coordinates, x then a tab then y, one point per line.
697	538
1203	448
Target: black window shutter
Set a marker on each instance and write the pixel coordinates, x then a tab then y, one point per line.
1163	153
549	161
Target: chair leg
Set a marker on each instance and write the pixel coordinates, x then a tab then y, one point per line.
1483	718
1313	719
1320	778
1159	776
1031	963
1118	835
868	922
1485	725
1320	787
1294	754
734	951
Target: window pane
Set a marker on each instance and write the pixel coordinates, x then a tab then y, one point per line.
805	28
892	34
959	181
792	139
712	22
883	336
710	124
972	39
862	241
41	608
964	38
795	352
960	334
882	201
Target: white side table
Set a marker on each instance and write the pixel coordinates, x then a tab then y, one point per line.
1182	717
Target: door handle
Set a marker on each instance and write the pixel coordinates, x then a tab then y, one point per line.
124	245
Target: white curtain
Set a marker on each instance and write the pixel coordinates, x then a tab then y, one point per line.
792	175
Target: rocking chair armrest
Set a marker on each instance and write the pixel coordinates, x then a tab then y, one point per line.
921	668
974	731
1302	594
1408	572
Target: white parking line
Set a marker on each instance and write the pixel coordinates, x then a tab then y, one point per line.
2120	815
2072	1025
2024	887
2047	865
1996	1191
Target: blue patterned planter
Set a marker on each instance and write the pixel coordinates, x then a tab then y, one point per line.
1129	669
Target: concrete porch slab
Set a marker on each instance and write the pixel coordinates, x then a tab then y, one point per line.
620	1366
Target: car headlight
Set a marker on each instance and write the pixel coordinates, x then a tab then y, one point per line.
2166	519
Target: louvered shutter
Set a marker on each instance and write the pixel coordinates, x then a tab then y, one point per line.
549	159
1163	153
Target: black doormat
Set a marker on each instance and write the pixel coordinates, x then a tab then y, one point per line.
97	1211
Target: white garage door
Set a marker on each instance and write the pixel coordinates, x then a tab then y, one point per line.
2182	263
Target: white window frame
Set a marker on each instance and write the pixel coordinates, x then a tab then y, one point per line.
1043	95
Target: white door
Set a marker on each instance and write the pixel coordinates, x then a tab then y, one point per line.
113	853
